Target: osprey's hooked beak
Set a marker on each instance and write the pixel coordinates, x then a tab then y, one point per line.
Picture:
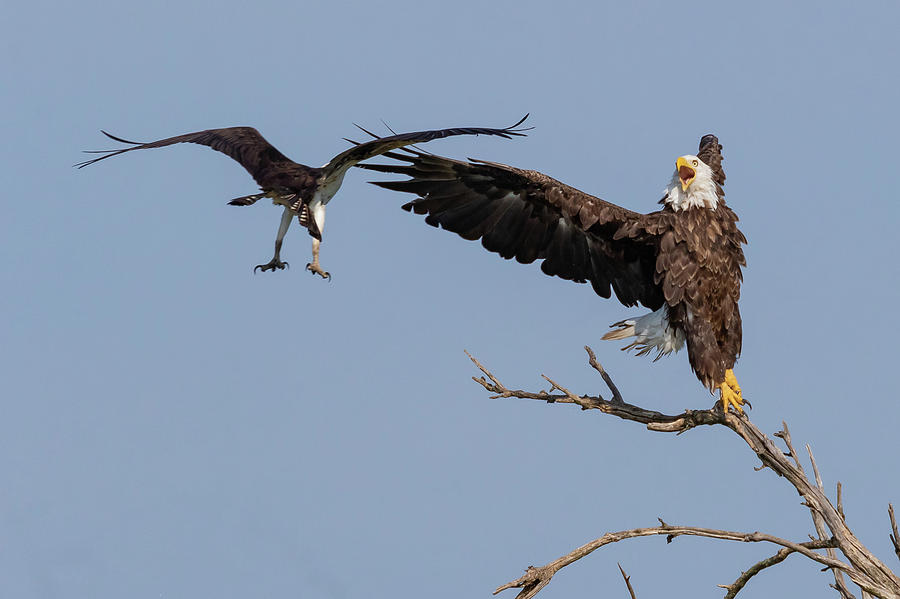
686	172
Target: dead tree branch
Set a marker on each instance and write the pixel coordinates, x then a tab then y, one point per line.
859	564
627	582
535	579
758	567
895	537
819	523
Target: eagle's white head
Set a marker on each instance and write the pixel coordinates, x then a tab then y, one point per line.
692	185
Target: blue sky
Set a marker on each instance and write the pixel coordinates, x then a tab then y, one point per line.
174	426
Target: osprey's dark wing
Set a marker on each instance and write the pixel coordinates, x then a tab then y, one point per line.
244	144
380	145
529	216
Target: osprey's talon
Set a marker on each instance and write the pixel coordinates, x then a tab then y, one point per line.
274	264
315	269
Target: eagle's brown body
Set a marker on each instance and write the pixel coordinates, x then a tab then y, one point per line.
687	260
698	268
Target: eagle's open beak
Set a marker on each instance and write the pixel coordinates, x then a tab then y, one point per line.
685	172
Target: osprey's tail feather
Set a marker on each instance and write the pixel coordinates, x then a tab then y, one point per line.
246	200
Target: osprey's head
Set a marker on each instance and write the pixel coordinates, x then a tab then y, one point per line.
693	185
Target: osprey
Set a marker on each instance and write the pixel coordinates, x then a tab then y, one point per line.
683	262
302	190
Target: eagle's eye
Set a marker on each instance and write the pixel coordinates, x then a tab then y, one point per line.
694	162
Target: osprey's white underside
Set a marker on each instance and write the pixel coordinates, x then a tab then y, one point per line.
316	206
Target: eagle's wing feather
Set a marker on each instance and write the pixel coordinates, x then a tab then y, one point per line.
710	152
380	145
529	216
243	144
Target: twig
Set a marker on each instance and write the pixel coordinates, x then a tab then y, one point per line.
785	435
846	594
627	581
840	501
592	360
735	587
895	537
585	402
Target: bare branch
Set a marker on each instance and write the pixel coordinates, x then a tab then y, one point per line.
868	571
895	537
812	460
735	587
840	501
617	397
861	566
819	523
627	581
584	402
846	594
535	579
654	420
785	435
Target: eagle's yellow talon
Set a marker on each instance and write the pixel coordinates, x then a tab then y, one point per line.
730	392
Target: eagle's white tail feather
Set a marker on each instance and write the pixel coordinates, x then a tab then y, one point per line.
625	330
651	332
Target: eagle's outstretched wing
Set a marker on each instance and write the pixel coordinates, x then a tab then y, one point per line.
710	152
380	145
529	216
243	144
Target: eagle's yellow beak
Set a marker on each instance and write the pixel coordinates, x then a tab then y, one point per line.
685	172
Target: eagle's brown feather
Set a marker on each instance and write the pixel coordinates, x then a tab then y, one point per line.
688	260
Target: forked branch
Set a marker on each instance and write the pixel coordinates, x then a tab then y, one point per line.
627	581
616	406
859	564
535	579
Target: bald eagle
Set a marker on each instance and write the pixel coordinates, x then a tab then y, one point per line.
302	190
683	262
